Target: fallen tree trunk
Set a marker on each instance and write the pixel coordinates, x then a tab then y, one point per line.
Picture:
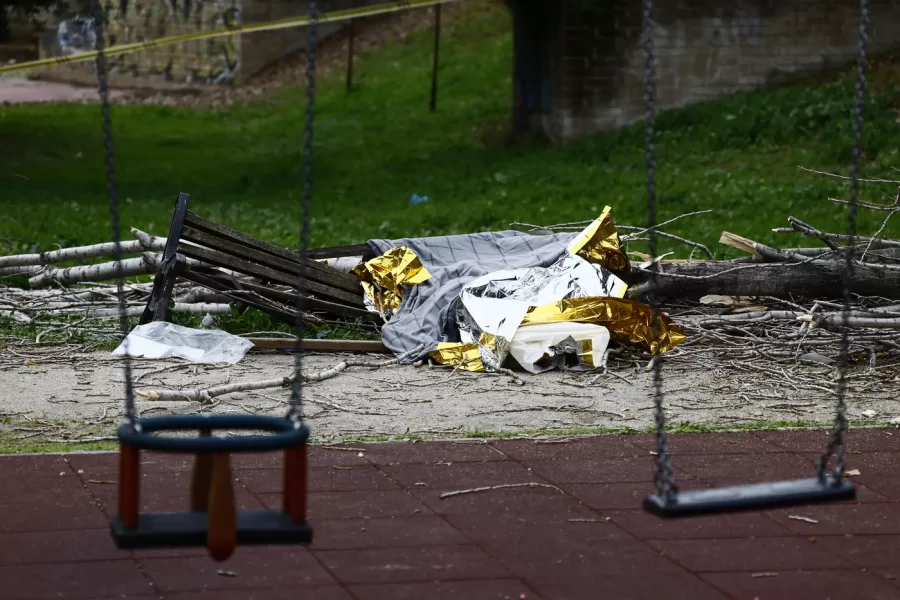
146	243
99	272
814	279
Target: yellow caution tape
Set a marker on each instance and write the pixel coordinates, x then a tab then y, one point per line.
332	17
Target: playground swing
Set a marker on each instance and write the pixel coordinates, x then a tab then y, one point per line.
212	520
668	501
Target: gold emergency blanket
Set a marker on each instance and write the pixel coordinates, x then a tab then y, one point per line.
465	356
628	321
599	243
382	277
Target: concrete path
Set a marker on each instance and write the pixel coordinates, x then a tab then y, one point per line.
23	91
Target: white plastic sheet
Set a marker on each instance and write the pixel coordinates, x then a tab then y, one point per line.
496	303
540	348
167	340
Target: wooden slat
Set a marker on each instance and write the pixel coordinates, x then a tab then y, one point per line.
248	268
341	252
337	279
202	224
221	282
238	237
311	303
321	345
273	311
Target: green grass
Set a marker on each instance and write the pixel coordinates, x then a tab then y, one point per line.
378	145
11	443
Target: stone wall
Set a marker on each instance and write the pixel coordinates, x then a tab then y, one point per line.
705	49
206	62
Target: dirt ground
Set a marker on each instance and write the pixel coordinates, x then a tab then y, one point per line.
85	390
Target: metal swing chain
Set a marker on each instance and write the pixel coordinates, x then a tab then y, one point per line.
665	477
112	193
295	411
836	443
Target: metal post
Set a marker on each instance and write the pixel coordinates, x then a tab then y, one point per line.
350	55
129	485
437	46
295	484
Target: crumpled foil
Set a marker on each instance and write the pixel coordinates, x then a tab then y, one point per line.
466	357
494	349
599	243
490	309
628	321
382	277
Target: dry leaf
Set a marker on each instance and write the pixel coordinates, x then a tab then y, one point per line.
341	468
225	573
852	473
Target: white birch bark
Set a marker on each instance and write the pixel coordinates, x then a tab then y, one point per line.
144	243
98	272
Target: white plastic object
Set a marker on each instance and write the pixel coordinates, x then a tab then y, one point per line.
532	343
166	340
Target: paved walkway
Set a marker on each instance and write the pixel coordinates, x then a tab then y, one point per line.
24	91
384	532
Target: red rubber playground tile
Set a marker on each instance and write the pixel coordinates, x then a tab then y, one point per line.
487	589
865	550
715	443
414	532
77	545
581	448
432	452
117	578
518	499
412	565
662	586
318	592
793	585
548	519
341	478
248	568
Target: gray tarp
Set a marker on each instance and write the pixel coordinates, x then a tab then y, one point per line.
426	315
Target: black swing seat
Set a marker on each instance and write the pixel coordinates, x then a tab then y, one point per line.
189	529
778	494
285	434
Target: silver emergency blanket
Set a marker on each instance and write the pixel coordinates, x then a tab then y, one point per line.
428	313
497	303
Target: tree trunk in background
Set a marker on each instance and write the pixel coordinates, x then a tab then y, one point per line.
535	32
4	26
